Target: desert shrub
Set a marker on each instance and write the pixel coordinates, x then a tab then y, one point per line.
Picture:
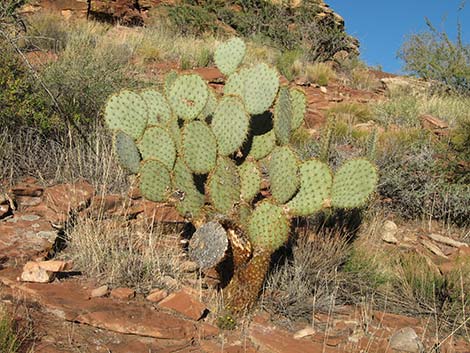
401	108
287	63
319	73
86	73
310	271
414	181
432	55
350	112
46	31
22	100
12	337
192	19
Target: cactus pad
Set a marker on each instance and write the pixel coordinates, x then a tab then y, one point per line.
283	116
315	186
127	152
268	228
127	111
229	55
235	83
223	185
199	147
190	200
262	145
188	96
159	111
208	245
210	106
261	84
158	144
154	180
250	180
230	124
282	172
299	107
353	183
170	78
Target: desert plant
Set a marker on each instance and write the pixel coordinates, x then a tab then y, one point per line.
206	154
320	73
432	55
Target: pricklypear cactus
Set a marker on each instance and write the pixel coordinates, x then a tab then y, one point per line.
168	138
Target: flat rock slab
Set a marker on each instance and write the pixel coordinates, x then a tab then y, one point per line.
25	236
69	300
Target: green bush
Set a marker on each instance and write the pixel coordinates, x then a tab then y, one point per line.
46	31
22	101
432	55
86	73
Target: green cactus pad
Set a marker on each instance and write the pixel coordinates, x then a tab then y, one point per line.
223	185
261	84
235	83
156	143
353	183
189	200
268	227
262	145
244	214
208	245
283	174
229	55
170	78
174	130
127	153
210	106
155	180
283	116
159	111
299	107
127	111
315	187
230	124
250	180
199	147
188	96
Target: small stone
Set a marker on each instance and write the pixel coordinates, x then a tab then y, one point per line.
307	331
56	265
189	266
157	295
123	293
389	229
323	89
99	292
32	272
406	340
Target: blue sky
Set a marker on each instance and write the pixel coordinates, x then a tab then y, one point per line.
382	26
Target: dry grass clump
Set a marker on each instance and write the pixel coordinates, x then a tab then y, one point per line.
319	73
350	112
125	254
307	280
13	337
26	152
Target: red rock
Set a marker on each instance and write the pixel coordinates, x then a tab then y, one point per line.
64	198
4	210
55	265
123	293
99	292
32	272
157	295
106	205
26	189
159	213
185	304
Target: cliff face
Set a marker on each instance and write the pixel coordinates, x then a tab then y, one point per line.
135	12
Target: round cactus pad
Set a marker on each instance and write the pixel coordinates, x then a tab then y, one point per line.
250	180
262	145
127	152
283	116
269	227
158	144
230	124
299	107
261	84
229	55
155	180
190	200
127	111
315	186
159	111
188	96
353	183
199	147
208	245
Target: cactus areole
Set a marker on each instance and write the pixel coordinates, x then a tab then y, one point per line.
169	138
